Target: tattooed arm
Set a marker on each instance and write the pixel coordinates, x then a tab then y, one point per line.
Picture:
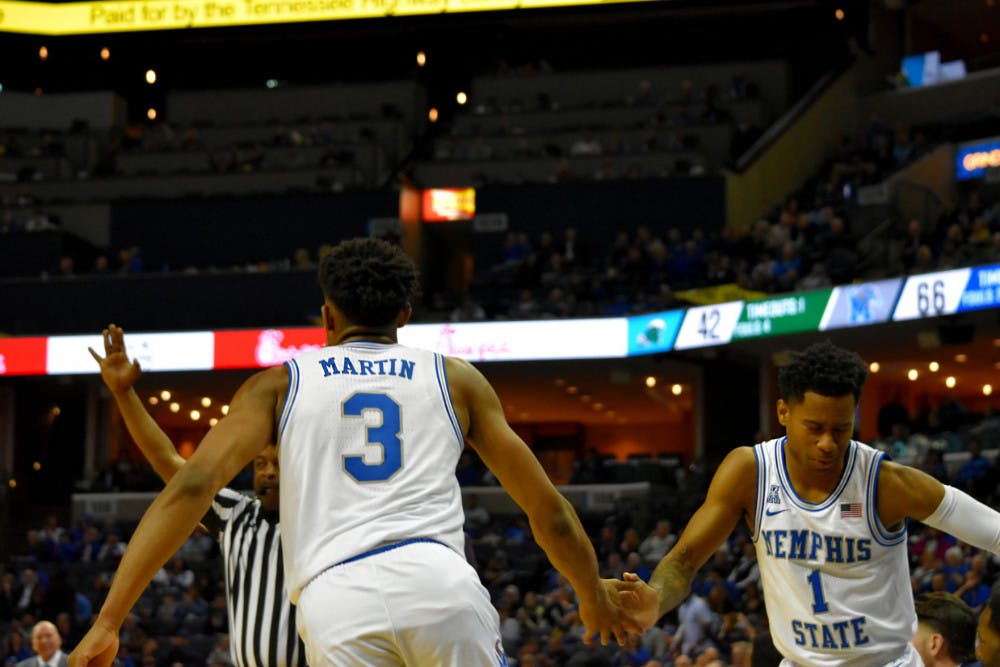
731	495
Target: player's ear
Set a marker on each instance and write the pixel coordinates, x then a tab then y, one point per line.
937	644
327	317
782	412
404	316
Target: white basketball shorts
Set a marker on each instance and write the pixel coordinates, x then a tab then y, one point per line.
420	605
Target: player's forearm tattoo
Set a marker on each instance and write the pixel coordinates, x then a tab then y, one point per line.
672	578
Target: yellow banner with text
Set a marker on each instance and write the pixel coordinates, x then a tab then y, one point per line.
80	18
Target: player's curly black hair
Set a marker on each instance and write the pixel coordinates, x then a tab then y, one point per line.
369	280
825	369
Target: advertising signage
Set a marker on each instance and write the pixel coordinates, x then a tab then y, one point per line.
973	159
794	313
926	295
83	18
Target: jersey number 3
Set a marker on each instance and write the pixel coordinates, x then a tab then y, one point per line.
385	435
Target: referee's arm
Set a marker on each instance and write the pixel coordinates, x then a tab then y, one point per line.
120	375
230	445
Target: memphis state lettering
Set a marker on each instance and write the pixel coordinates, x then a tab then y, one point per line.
809	545
842	634
402	368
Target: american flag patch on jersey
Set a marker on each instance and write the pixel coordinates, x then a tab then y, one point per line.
850	510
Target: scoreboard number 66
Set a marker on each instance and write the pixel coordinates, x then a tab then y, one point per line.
930	298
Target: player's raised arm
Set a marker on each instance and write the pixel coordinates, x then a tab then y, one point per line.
908	493
227	447
554	522
119	375
730	496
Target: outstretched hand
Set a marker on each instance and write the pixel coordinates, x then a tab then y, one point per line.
98	648
609	613
118	373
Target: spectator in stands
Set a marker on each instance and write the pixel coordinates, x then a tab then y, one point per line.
763	652
8	225
586	145
67	628
746	570
788	268
526	306
634	563
112	549
29	582
634	654
470	470
815	279
47	645
101	267
954	568
39	222
590	470
219	657
575	253
15	648
946	630
66	268
129	261
10	594
922	576
301	260
974	591
476	516
630	542
695	624
974	472
469	310
657	543
614	566
988	631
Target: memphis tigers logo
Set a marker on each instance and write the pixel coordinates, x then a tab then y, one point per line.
773	498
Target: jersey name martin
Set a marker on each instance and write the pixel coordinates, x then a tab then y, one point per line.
401	368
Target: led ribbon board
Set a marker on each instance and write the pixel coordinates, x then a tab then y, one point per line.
922	296
949	292
83	18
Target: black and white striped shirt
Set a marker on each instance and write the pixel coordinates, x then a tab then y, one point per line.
262	630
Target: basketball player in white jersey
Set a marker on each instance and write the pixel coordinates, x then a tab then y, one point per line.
828	517
369	433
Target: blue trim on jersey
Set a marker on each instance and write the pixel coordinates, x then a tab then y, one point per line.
880	533
372	552
449	407
793	496
758	514
369	344
390	547
290	395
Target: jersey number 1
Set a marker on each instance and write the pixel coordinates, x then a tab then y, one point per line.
819	600
385	435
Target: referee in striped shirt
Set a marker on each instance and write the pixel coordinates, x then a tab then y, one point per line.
262	630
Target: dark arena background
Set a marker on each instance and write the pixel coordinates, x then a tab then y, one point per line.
627	215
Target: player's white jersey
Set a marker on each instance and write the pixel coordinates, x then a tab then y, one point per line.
368	443
836	581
